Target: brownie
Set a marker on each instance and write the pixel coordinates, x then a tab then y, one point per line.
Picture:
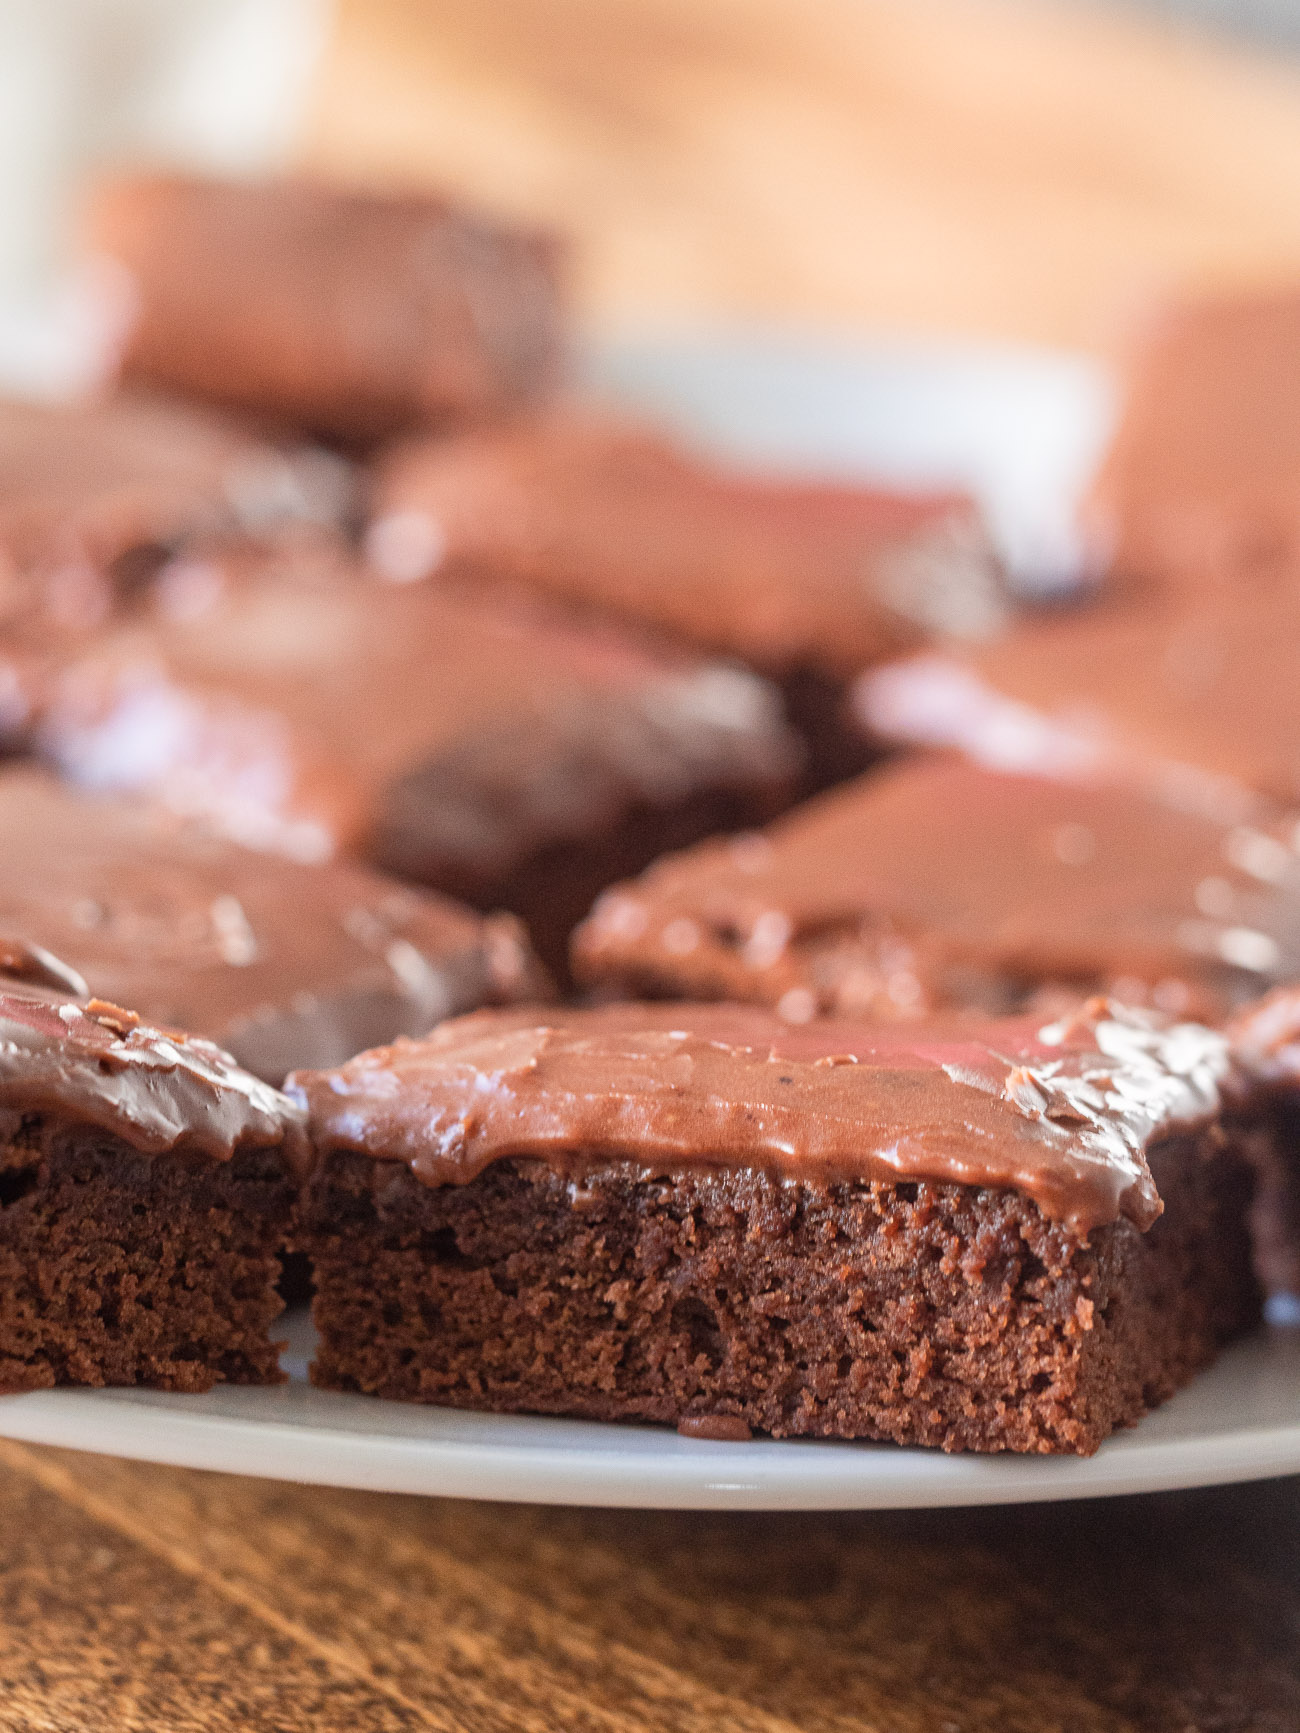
94	498
280	963
1265	1038
354	314
478	745
935	883
1006	1237
1193	696
146	1185
1201	485
805	582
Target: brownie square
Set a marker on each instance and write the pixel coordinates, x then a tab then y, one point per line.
281	964
1193	697
146	1185
1201	485
1011	1237
805	582
351	313
1265	1038
478	745
936	884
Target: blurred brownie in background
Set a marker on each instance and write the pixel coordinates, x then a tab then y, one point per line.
95	497
804	582
147	1185
348	313
933	1234
481	744
281	964
936	884
1194	698
1266	1044
1202	483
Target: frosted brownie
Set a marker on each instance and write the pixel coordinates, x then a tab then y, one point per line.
480	746
1201	485
280	963
1266	1042
1193	698
145	1190
805	582
1010	1237
934	884
350	313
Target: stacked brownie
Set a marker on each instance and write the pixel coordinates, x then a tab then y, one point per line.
362	665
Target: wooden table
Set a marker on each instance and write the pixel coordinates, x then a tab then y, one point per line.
996	167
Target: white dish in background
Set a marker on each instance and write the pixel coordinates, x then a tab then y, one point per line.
1022	430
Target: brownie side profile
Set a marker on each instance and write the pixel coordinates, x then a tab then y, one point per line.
1265	1039
806	583
146	1186
352	314
717	1259
281	964
935	883
484	746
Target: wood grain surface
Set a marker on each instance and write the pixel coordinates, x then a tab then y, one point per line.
1027	167
149	1599
998	166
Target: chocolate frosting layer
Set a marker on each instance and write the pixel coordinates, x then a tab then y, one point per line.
284	965
935	883
1062	1113
1201	486
784	574
353	313
1195	700
307	709
95	1064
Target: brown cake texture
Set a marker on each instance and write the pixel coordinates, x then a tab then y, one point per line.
350	313
1006	1237
1201	485
935	883
806	582
1265	1039
281	964
480	745
146	1185
1191	696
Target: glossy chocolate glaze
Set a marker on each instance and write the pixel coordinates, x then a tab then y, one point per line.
785	575
1201	485
1062	1113
354	314
283	965
1195	700
90	485
934	883
308	710
94	1064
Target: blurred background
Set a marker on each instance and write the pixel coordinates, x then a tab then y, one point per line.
1041	169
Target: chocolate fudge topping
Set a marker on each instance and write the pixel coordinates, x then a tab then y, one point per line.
1202	483
306	710
97	1065
1061	1113
283	964
1196	700
786	575
935	883
92	485
351	313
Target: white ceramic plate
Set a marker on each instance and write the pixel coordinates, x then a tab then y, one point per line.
1022	429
